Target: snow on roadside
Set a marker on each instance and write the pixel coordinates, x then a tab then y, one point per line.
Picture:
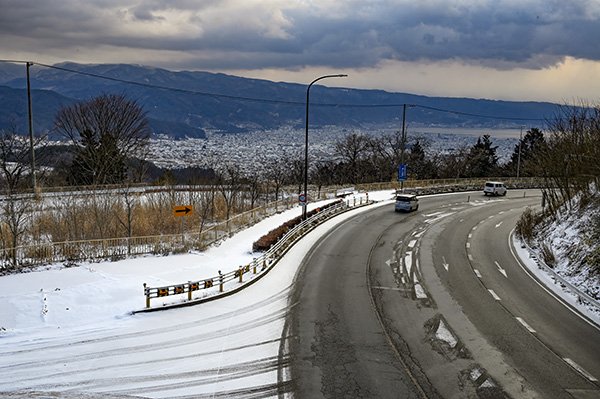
93	292
548	281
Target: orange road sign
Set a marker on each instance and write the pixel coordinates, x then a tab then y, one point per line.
183	210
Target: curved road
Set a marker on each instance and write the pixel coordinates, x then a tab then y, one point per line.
456	315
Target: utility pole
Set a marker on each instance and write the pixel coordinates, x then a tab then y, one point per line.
519	156
403	139
31	146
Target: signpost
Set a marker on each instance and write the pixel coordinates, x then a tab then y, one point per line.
183	210
302	201
402	172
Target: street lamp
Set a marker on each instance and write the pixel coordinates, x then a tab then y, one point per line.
305	202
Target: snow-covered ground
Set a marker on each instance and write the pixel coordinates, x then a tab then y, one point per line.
71	330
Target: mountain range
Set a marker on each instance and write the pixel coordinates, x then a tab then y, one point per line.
185	103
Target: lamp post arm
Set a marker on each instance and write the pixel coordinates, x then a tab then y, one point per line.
306	138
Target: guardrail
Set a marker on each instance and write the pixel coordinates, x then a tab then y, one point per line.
214	287
582	297
116	248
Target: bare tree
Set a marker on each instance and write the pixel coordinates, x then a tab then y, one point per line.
569	159
229	182
17	208
104	131
352	151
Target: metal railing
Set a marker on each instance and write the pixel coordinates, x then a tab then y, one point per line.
117	248
214	286
121	247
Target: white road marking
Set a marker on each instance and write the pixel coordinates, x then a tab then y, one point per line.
474	228
477	273
461	220
470	257
527	326
470	235
501	270
500	213
498	225
580	369
468	245
419	234
412	243
445	264
496	297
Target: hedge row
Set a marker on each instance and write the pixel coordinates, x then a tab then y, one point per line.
265	242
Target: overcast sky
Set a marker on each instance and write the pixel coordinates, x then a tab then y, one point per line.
499	49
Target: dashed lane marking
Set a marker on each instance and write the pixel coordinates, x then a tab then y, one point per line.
494	295
527	326
470	257
498	225
445	264
477	273
468	245
412	243
580	369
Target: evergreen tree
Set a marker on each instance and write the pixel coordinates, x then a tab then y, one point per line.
482	160
529	146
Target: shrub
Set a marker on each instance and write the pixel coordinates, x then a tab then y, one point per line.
265	242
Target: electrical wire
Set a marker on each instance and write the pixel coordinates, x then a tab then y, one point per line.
269	101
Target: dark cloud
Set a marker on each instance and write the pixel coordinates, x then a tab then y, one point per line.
233	35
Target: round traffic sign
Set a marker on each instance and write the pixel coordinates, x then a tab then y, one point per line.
302	198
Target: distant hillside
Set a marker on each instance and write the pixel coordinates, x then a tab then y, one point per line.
187	109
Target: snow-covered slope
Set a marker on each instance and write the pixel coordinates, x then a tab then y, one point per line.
570	243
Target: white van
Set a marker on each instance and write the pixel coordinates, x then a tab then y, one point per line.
494	188
406	203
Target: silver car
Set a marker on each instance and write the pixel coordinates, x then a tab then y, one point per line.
494	188
406	203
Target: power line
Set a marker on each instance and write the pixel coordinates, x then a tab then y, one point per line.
270	101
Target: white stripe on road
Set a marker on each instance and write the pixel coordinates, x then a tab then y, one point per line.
498	225
527	326
496	297
580	369
412	243
477	273
470	257
468	245
470	235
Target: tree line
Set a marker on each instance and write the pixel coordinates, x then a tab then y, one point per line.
108	144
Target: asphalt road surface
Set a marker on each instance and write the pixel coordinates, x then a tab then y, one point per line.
433	304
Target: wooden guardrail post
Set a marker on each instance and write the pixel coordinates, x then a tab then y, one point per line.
147	293
220	281
240	273
189	290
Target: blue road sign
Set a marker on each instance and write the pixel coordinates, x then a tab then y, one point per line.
402	172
